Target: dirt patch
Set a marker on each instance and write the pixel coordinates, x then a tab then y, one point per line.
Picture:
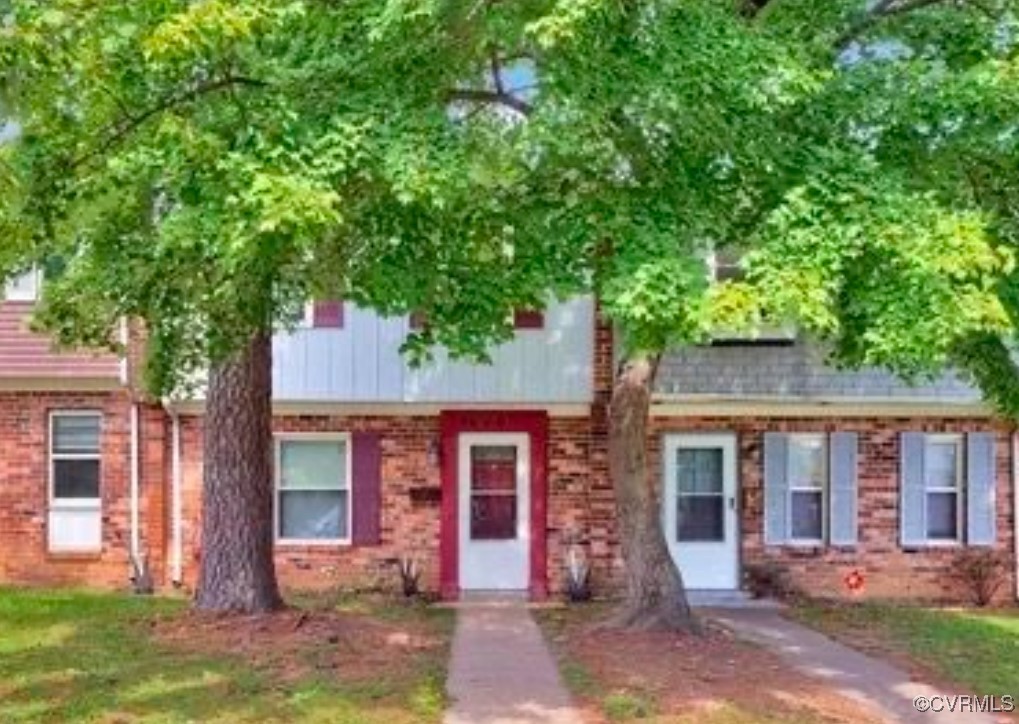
352	647
680	677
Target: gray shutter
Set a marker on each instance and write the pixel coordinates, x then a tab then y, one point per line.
842	493
912	499
776	461
980	493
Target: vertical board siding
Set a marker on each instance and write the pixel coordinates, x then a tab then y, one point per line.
361	362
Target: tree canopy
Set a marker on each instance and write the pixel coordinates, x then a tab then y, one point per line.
182	156
208	167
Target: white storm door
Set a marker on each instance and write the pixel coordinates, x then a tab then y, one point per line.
700	517
494	511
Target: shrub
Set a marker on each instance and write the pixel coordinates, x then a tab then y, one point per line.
768	580
410	577
981	571
578	577
623	706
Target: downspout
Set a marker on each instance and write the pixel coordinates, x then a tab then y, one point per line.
1015	509
176	531
135	501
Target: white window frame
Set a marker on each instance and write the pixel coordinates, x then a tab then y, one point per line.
53	457
959	489
77	505
13	294
791	488
765	333
335	437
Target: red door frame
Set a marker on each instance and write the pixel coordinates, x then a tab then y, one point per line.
451	424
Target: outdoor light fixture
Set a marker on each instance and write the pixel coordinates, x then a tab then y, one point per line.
434	452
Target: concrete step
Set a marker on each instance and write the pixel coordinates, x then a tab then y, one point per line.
709	598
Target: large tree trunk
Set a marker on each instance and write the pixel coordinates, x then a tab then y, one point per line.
655	597
237	570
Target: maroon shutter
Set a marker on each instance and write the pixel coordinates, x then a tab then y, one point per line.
367	489
528	319
328	313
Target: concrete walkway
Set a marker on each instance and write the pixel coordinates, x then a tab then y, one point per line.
502	671
885	689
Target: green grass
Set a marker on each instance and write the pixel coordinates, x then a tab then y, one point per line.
973	648
71	656
626	706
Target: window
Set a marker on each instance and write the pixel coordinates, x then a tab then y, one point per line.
528	319
418	320
943	486
493	492
75	452
327	314
313	489
726	265
700	494
808	481
24	287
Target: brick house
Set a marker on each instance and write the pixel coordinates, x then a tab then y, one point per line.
486	475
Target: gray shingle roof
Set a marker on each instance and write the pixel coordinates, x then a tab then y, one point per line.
796	370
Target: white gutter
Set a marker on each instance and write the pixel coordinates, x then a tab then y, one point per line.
1015	505
176	532
135	502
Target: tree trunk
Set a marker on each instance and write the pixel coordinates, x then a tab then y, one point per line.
655	598
237	570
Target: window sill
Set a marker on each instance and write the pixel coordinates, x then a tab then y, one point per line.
90	554
76	504
284	544
805	545
931	545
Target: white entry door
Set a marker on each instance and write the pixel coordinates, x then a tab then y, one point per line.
494	511
700	515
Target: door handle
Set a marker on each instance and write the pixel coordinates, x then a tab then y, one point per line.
732	502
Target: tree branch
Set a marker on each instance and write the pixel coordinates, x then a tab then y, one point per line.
881	10
490	97
750	9
496	72
133	123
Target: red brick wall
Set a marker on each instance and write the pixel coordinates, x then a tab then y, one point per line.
888	570
581	508
409	527
24	481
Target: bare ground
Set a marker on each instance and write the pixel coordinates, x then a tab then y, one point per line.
711	678
348	645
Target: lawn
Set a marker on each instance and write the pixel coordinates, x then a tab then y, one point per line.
972	648
660	677
71	656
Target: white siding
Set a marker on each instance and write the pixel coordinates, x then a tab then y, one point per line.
362	363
